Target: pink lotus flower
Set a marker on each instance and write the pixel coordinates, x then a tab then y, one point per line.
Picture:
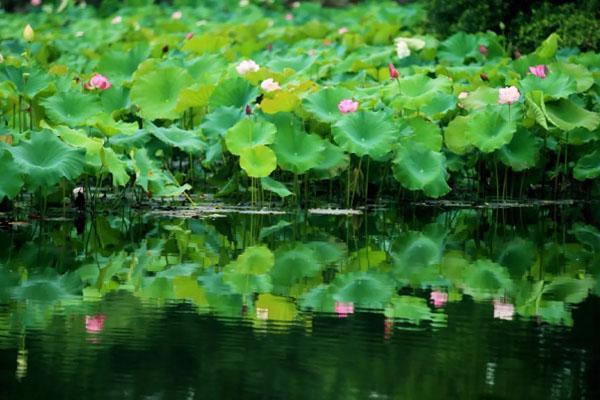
343	30
270	85
504	311
483	50
394	74
36	3
348	106
189	35
438	298
99	81
289	16
177	15
344	308
116	20
247	66
538	70
508	95
95	323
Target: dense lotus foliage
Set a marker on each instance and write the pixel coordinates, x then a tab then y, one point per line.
244	102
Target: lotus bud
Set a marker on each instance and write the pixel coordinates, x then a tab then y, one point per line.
165	48
28	33
270	47
248	109
517	54
394	74
483	50
189	35
484	77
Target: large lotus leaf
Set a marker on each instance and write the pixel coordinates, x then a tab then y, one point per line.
276	187
188	141
416	250
270	230
153	179
438	106
25	82
454	135
115	99
248	133
458	47
293	263
489	130
281	101
220	120
194	96
324	103
258	161
537	107
418	168
567	115
485	279
555	313
547	49
247	283
78	138
555	86
588	235
233	93
119	65
328	252
365	133
45	159
368	289
567	289
255	260
417	91
580	74
333	161
408	308
297	63
207	68
71	108
588	166
522	152
156	92
423	132
319	299
297	151
481	97
518	256
115	165
11	180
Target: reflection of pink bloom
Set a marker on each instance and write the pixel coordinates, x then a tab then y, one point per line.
388	328
262	313
344	308
94	324
347	106
99	81
508	95
503	310
538	70
438	298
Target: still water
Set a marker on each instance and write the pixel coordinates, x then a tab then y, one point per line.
418	303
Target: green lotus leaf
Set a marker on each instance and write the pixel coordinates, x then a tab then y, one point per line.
423	132
418	91
418	168
11	180
115	99
319	299
276	187
489	130
156	92
270	230
327	252
548	47
481	97
136	140
537	107
410	309
588	166
579	73
485	279
115	165
206	68
368	289
292	263
153	179
297	151
258	161
71	108
555	313
454	135
333	161
522	152
439	106
297	63
248	133
518	256
188	141
417	257
49	287
220	120
78	138
365	133
25	82
459	47
567	289
119	65
567	115
555	86
45	160
233	93
324	103
588	235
